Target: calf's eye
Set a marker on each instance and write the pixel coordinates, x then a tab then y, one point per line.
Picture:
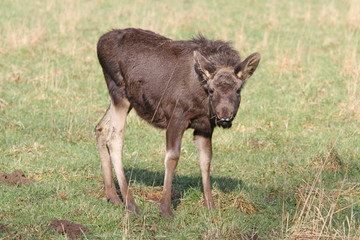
238	91
211	92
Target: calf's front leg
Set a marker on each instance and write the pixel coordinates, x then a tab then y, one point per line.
174	135
203	144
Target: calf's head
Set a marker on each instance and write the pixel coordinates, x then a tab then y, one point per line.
223	85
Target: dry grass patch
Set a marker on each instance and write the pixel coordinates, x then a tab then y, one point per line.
224	201
320	211
153	193
329	15
263	46
18	36
72	12
273	21
353	16
307	14
240	40
350	108
174	16
287	62
331	162
350	65
229	232
318	215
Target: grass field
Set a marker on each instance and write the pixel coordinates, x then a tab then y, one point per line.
289	168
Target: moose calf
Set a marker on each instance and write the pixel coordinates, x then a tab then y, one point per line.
173	85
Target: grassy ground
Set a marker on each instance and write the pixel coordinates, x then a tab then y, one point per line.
288	168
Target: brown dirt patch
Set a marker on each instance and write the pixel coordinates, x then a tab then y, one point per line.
3	229
72	230
17	178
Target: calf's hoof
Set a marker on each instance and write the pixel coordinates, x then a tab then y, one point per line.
165	211
131	207
114	200
210	205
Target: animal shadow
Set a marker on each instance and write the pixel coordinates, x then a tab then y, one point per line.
181	183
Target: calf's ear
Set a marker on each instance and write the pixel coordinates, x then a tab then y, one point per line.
247	67
203	65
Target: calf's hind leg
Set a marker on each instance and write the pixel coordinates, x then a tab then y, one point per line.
115	144
102	132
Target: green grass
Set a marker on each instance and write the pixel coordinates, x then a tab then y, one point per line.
288	168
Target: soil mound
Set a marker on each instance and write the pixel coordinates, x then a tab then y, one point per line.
16	178
72	230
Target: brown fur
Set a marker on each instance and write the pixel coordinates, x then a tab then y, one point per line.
173	85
